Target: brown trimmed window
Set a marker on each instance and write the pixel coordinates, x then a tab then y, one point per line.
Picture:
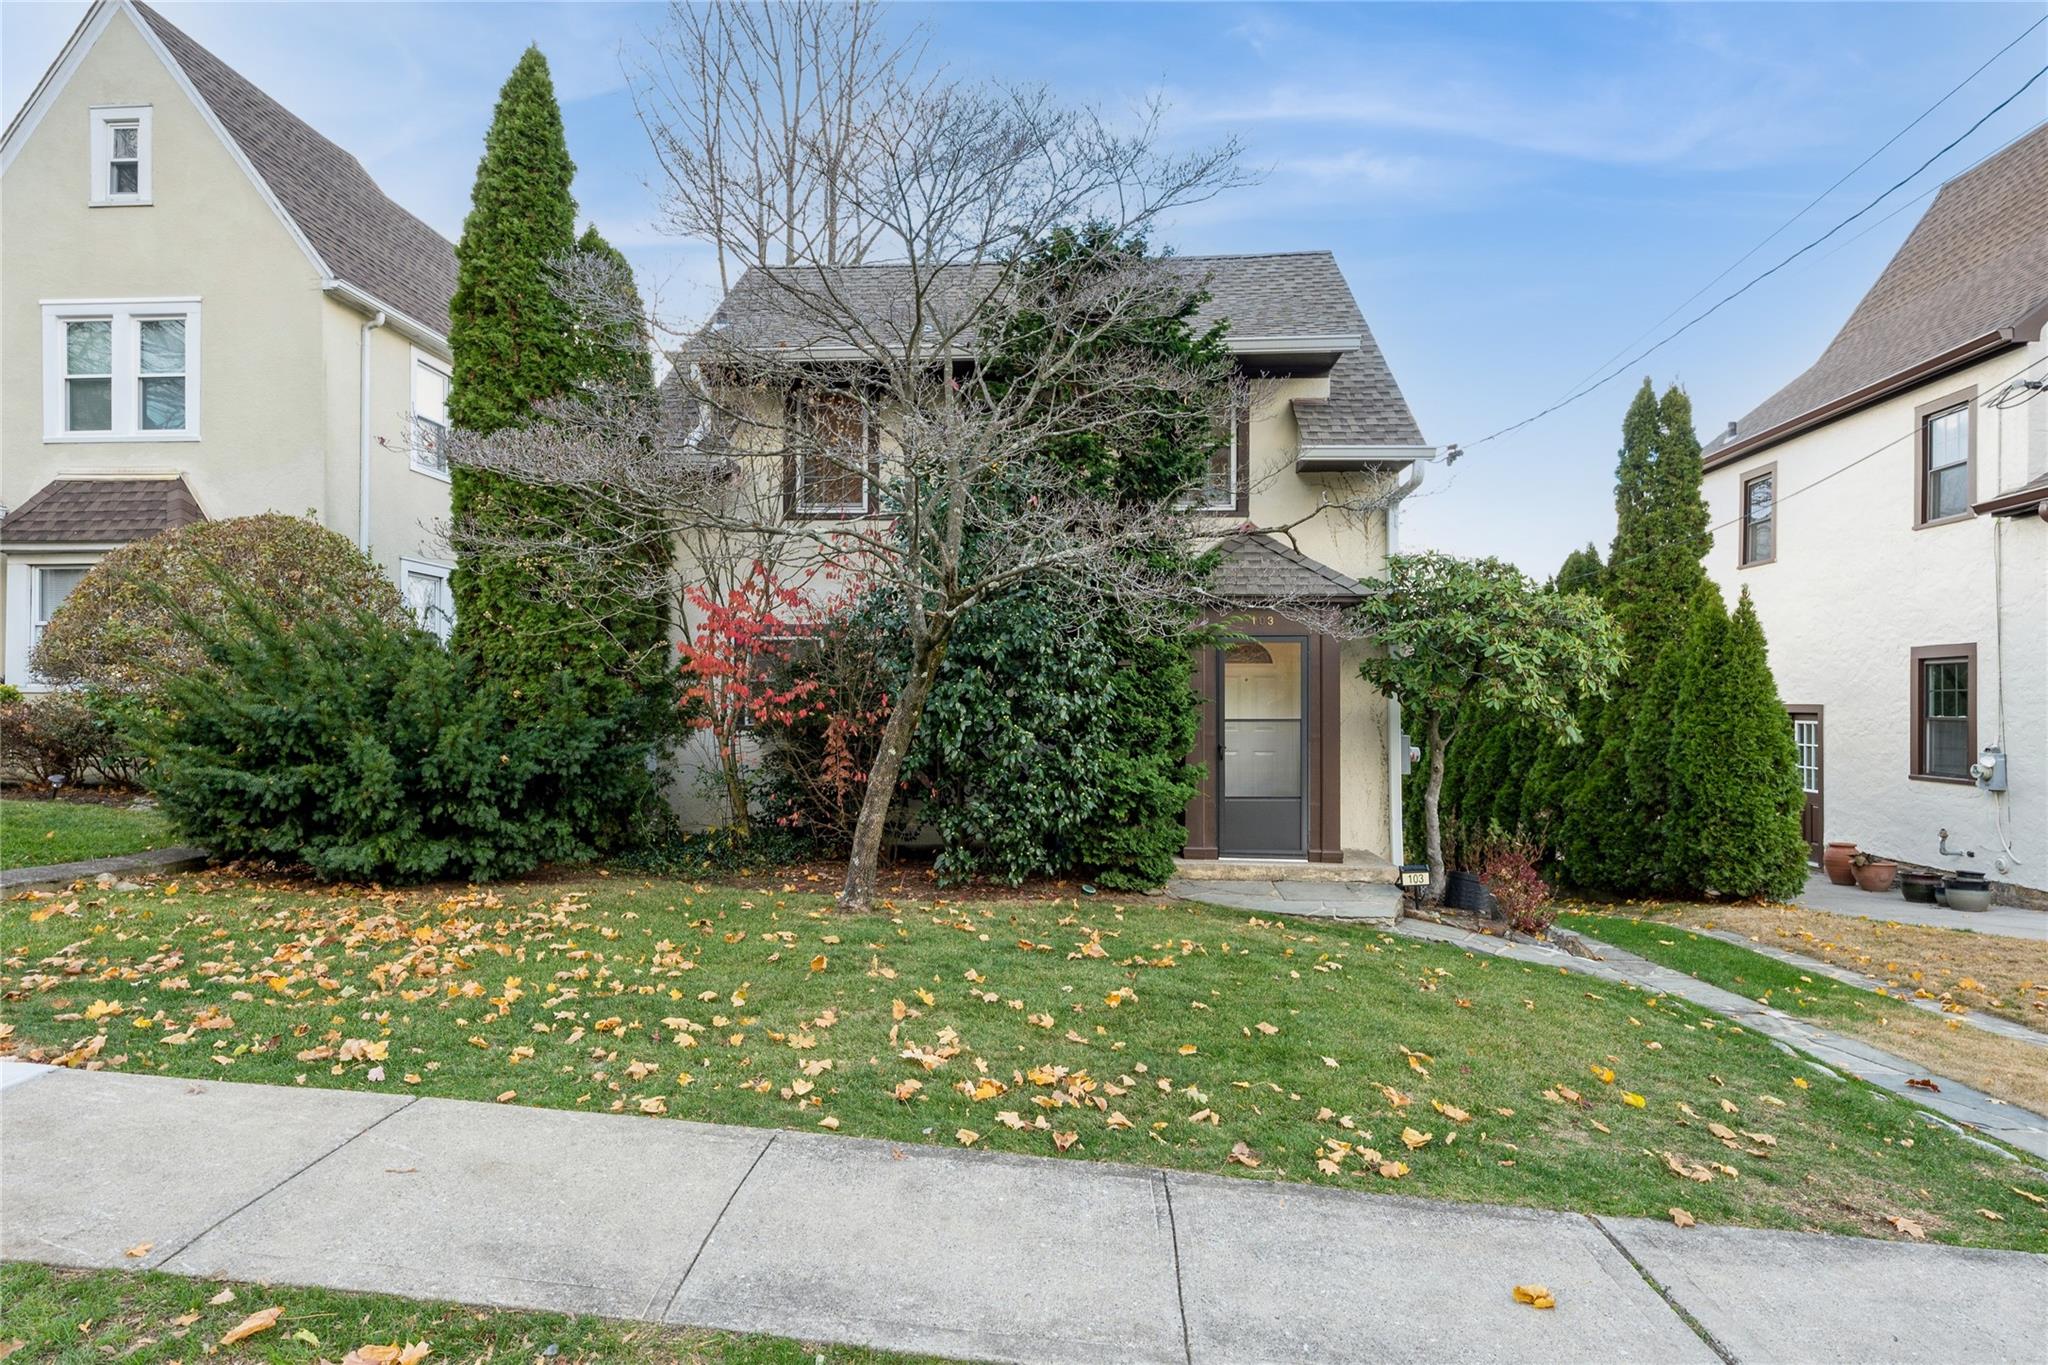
1945	464
832	474
1760	517
1944	712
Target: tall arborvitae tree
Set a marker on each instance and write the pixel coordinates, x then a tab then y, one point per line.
519	341
1614	799
1735	798
1581	571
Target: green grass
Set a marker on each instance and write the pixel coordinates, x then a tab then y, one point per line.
51	1315
1806	994
1157	1033
34	833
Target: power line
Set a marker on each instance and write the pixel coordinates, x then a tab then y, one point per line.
1773	234
1731	296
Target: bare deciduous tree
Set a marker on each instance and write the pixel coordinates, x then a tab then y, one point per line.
758	114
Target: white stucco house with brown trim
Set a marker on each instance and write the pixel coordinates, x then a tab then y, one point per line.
207	309
1300	757
1888	512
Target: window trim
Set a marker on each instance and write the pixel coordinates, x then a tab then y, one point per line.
1742	559
441	367
127	317
1240	504
22	588
429	568
1916	710
1923	416
792	467
100	140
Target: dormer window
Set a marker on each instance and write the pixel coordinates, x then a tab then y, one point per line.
121	155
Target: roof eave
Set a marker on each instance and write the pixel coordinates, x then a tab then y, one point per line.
1331	459
1956	357
368	304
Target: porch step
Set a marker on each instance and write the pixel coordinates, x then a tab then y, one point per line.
1361	868
1377	901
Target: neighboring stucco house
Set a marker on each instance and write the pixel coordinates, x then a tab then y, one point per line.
1888	512
1300	757
207	309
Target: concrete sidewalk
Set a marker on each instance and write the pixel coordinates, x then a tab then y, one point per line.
925	1249
2005	921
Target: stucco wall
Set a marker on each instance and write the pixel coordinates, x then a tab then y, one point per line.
277	358
1855	588
1355	544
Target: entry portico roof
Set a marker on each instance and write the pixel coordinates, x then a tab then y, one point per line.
1259	567
99	512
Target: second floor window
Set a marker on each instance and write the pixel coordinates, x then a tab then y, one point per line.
121	371
1759	518
1945	465
832	472
429	416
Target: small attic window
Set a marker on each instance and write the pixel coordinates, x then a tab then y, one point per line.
121	155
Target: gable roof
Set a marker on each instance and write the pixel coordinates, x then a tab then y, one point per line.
359	233
99	512
1259	568
1273	297
355	234
1971	280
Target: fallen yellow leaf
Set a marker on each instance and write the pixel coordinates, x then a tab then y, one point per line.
139	1249
1681	1217
1632	1099
1535	1295
262	1320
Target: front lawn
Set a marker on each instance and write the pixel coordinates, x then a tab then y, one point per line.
34	833
1142	1031
2008	1068
66	1315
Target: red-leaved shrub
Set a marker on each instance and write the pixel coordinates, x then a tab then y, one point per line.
1508	867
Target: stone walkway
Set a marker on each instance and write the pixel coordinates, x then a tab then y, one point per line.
1967	1108
961	1253
2007	921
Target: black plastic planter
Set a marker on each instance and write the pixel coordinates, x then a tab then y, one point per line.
1464	891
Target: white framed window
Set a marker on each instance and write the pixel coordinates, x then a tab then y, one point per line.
428	593
121	370
50	585
430	383
36	586
121	155
1219	488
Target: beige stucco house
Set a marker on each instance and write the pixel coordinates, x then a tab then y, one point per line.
1888	512
1301	759
207	309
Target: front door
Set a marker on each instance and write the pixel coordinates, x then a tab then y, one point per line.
1806	739
1262	750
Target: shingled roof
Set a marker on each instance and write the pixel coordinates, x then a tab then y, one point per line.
360	235
99	512
1970	280
1259	568
1297	295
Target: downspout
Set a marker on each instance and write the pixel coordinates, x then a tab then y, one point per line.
363	434
1396	748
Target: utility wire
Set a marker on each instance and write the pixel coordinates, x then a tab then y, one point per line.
1843	179
1755	280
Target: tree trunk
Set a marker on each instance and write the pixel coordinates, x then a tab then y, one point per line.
1432	820
742	819
863	864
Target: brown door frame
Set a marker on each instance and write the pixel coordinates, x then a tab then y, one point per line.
1816	801
1325	836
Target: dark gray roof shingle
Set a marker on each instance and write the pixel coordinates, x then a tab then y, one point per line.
1976	263
1259	568
1282	294
100	512
360	234
1365	406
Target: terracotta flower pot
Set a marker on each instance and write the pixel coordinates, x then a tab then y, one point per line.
1876	876
1835	862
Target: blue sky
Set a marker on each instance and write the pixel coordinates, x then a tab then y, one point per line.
1514	191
